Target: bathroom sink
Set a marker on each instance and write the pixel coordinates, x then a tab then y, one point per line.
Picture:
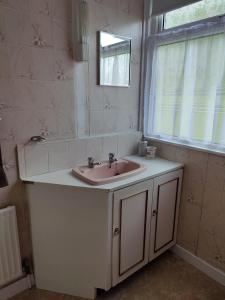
103	173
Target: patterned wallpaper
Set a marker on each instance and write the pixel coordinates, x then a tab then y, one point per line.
109	109
43	91
202	214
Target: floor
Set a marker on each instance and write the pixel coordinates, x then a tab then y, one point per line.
168	277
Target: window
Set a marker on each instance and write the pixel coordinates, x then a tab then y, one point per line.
201	10
187	93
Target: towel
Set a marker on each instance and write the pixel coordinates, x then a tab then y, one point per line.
3	179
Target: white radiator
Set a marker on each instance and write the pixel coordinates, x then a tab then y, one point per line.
10	259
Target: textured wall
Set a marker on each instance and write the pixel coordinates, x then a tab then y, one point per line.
109	109
43	91
202	214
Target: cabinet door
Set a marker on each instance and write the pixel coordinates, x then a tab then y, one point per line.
165	209
131	229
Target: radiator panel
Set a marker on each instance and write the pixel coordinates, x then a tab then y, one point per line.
10	259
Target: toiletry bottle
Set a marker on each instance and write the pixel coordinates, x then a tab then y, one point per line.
142	145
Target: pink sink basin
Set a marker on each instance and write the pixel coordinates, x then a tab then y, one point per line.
102	173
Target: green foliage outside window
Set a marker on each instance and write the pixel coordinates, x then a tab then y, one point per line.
201	10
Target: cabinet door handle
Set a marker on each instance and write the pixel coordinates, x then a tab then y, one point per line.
154	212
116	231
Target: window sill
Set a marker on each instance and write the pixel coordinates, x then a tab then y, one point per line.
187	145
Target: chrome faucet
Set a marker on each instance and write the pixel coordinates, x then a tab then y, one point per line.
92	163
112	159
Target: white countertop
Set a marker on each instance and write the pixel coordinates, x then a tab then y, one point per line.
155	167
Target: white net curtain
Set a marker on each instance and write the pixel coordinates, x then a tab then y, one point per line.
115	69
187	93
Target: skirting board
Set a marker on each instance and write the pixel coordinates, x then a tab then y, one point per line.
200	264
16	287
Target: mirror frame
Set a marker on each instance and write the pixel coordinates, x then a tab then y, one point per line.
99	59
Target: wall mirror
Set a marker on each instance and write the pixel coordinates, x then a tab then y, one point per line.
114	54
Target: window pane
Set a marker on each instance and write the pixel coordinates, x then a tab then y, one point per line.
201	10
189	94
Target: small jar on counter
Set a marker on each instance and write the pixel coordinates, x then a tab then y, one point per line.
150	152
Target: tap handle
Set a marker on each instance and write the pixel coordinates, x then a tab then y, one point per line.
111	155
91	159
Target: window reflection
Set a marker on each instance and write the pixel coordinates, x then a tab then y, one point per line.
114	60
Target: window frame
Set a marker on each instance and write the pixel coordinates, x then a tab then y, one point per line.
158	24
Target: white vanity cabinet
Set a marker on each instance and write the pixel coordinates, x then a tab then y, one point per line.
165	210
131	229
145	218
88	237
